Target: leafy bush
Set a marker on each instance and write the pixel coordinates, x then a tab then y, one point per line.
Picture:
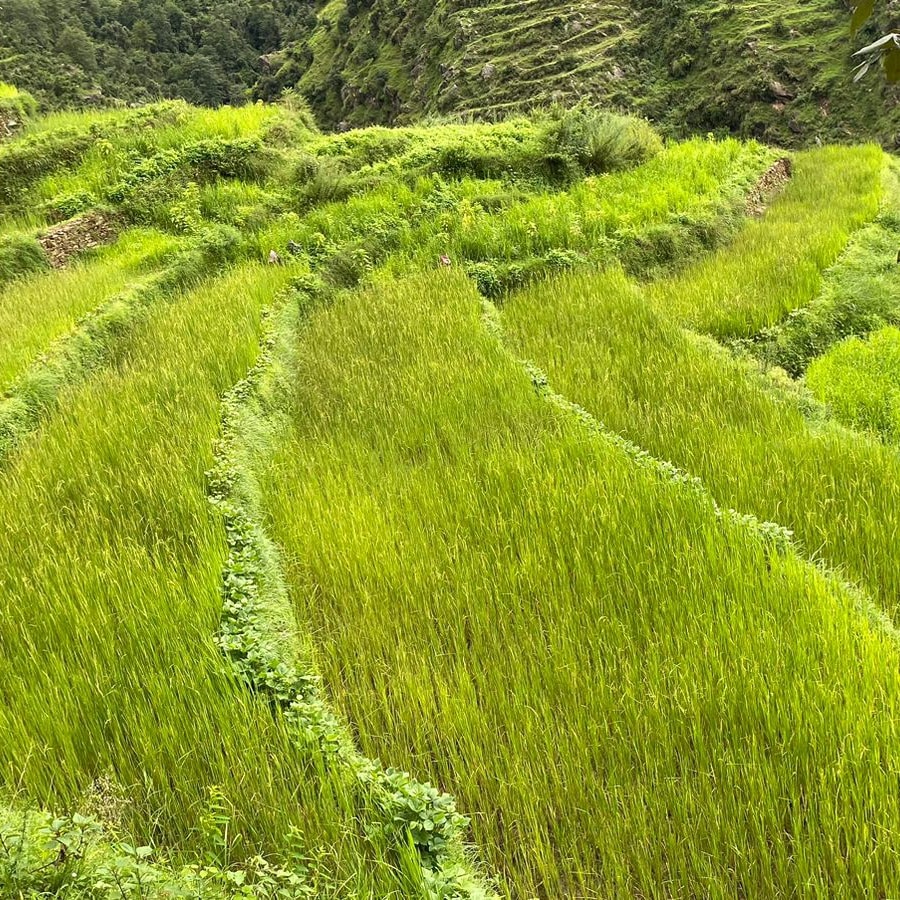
495	278
59	209
20	255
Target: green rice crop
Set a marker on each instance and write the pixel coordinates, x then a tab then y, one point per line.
860	293
775	265
630	695
606	346
35	312
111	596
860	381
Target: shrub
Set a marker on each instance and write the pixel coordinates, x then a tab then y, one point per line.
322	181
20	255
599	141
16	104
59	209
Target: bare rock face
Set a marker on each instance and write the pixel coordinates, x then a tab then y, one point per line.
780	92
8	127
488	71
618	73
64	242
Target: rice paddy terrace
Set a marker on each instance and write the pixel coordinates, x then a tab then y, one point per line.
470	511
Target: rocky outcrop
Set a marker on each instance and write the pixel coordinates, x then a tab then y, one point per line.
68	240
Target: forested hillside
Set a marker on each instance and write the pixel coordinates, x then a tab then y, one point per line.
97	51
776	71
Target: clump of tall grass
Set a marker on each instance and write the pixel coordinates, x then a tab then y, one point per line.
20	255
859	380
600	141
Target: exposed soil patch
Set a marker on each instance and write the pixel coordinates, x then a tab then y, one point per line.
771	183
63	242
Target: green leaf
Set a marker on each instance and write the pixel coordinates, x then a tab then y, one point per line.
892	64
861	14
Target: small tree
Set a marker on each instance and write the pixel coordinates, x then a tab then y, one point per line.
884	51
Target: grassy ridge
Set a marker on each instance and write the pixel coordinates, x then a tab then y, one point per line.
70	161
34	313
111	599
493	607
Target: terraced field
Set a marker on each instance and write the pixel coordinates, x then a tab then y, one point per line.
760	68
460	450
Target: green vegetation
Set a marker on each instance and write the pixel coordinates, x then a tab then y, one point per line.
767	70
15	107
140	50
859	294
629	363
288	505
860	382
621	714
37	312
770	70
70	856
20	255
134	563
778	262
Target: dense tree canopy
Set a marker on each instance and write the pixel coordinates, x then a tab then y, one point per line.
134	50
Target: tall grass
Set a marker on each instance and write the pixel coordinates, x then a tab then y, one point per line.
35	312
860	382
631	696
113	157
110	592
860	293
610	349
776	264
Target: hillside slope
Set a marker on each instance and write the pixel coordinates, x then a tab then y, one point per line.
140	50
422	445
762	69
